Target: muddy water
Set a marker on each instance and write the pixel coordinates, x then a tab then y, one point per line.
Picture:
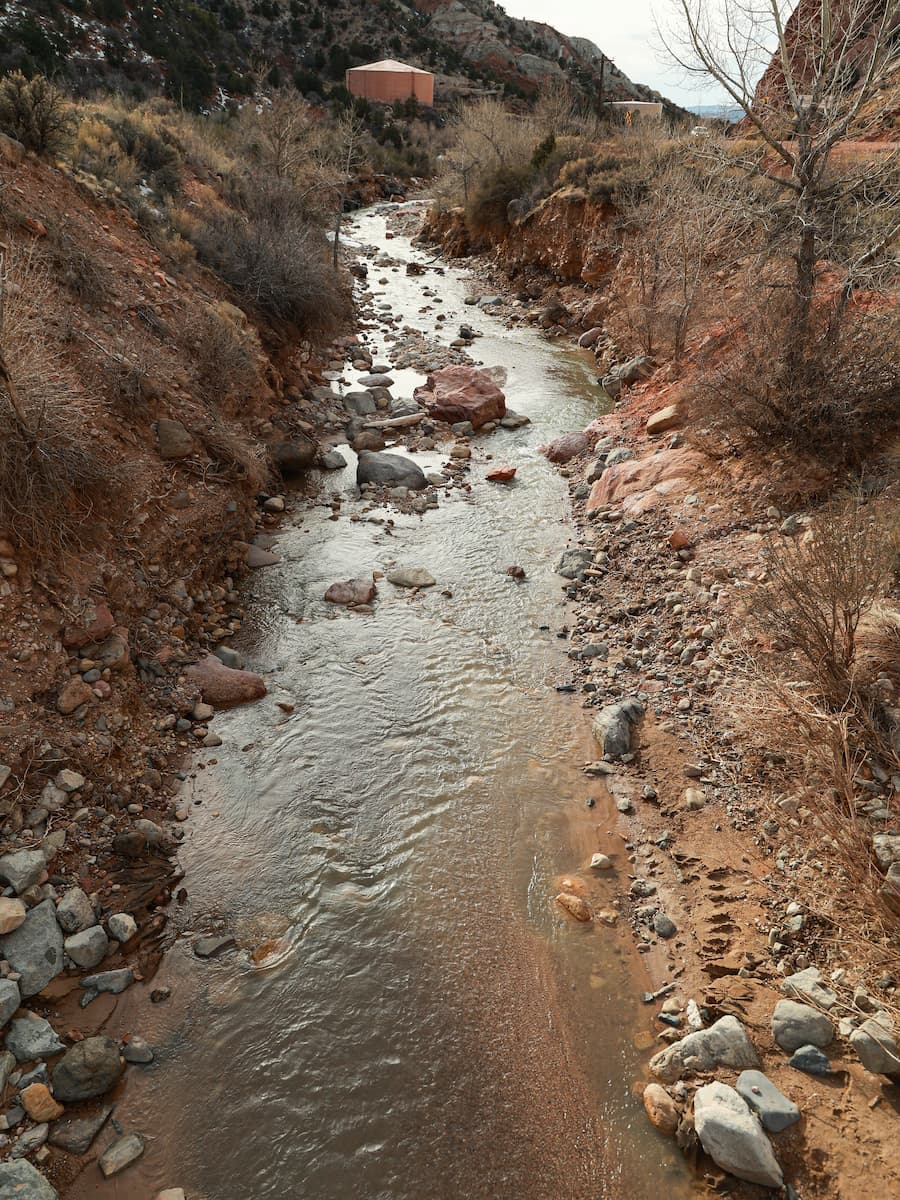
425	1021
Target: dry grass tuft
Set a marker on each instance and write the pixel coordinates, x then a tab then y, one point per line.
52	474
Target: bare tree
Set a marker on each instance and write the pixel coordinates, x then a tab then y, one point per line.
831	58
350	156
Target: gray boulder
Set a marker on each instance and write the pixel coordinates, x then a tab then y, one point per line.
573	562
361	403
333	460
121	1154
90	1068
75	911
35	949
392	470
807	985
109	981
19	1180
877	1048
32	1037
724	1044
88	948
619	455
76	1134
23	869
887	849
612	726
772	1107
733	1137
795	1025
9	999
295	456
404	407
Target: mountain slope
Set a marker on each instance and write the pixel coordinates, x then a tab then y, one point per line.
204	53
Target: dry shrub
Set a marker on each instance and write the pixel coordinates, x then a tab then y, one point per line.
76	268
52	475
487	209
224	355
275	258
833	397
236	456
35	112
822	587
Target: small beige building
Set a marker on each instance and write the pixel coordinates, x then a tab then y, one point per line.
389	81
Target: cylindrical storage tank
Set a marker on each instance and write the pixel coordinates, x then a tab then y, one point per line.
389	81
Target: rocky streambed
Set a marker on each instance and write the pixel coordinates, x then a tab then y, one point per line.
372	987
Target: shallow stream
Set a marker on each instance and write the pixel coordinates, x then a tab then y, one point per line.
426	1022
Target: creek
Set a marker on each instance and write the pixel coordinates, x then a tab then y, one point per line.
425	1021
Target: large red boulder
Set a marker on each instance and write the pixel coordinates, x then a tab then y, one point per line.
224	687
462	394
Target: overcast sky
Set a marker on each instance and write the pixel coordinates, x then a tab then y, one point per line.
624	30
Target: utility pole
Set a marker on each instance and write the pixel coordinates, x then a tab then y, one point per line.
600	94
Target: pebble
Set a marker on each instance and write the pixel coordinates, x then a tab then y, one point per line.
121	1154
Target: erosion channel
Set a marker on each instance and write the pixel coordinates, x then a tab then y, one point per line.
423	1020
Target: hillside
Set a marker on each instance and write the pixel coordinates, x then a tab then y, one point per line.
206	53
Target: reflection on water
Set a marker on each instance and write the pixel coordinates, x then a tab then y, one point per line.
425	1023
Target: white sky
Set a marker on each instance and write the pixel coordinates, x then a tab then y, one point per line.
625	30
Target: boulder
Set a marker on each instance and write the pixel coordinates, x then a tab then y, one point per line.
368	439
10	999
612	726
38	1102
724	1044
890	888
352	591
76	1134
564	448
113	982
362	404
887	849
375	381
75	912
31	1037
389	470
644	479
808	986
590	337
122	926
733	1137
19	1180
772	1107
23	869
88	1069
121	1154
811	1060
224	687
663	419
87	948
12	914
294	456
71	697
96	623
501	474
332	461
662	1110
575	906
572	562
35	949
795	1025
462	394
877	1048
174	440
411	577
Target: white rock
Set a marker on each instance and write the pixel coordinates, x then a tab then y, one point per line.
733	1137
122	926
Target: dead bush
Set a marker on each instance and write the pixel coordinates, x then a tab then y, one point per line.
487	209
833	397
52	474
74	267
223	355
275	258
822	586
236	456
34	111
